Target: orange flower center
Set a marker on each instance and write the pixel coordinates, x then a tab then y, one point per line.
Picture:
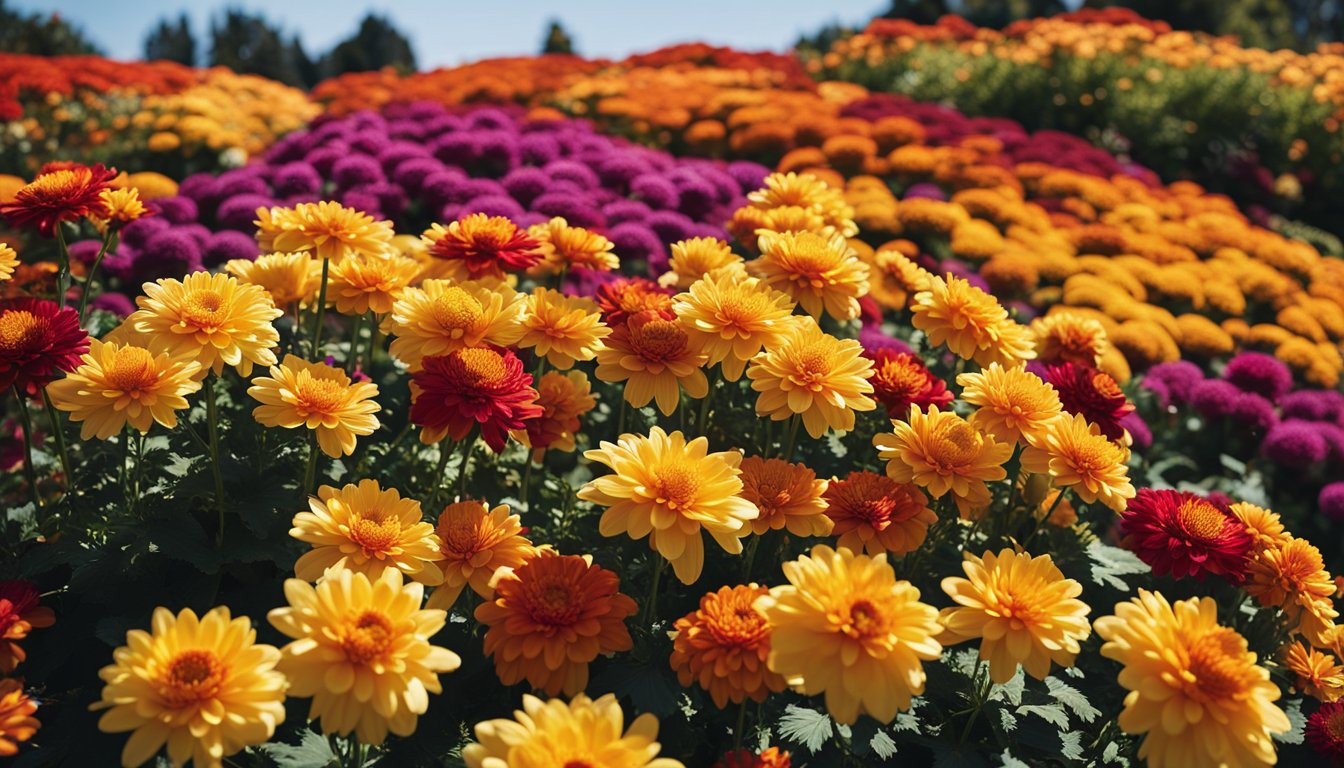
132	370
957	444
192	677
376	531
492	234
367	636
899	376
321	395
1106	386
456	310
481	365
203	308
553	603
658	340
742	309
1217	671
55	184
676	487
811	367
812	256
732	620
1201	519
865	620
21	329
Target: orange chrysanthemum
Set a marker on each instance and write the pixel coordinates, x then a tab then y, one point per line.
20	613
563	399
943	453
1011	404
970	322
625	297
118	207
1069	337
565	247
1319	675
477	246
1264	526
286	277
581	733
1293	577
365	528
820	272
328	229
873	513
654	357
474	542
815	375
563	329
17	723
731	317
322	398
786	495
773	757
370	283
722	646
1077	456
696	258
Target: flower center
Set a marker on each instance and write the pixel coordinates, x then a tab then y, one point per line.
793	218
203	308
957	444
1106	387
553	603
320	395
456	310
742	309
192	677
812	255
481	365
367	637
55	184
1201	520
1217	671
131	370
865	620
735	622
899	377
20	329
1334	724
812	364
676	487
375	532
658	340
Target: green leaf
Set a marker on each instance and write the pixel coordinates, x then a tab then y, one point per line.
805	726
1072	745
313	751
1051	713
1011	691
1072	698
1012	762
1110	563
1298	722
882	745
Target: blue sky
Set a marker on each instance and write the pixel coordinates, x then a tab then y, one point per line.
446	32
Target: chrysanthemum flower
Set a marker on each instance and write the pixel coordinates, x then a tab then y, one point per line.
786	495
118	207
1293	577
563	329
901	379
1196	695
696	258
820	272
806	191
731	317
970	322
286	277
942	453
1077	456
1182	534
480	386
203	686
668	489
625	297
1319	675
361	650
322	398
846	627
722	646
1069	337
328	229
653	356
478	245
366	528
1023	610
546	734
214	319
474	542
1093	394
65	194
550	617
1263	525
38	341
1011	404
873	513
815	375
20	613
368	283
563	398
9	261
439	317
565	247
117	385
1325	732
773	757
792	219
17	723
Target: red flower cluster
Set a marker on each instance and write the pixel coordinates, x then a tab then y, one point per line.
622	299
19	615
478	386
773	757
38	340
900	380
64	192
486	245
1095	395
1325	732
1182	534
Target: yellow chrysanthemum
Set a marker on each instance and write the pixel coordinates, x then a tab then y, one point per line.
361	650
1263	525
1196	694
1023	610
439	317
553	734
328	230
1077	456
668	489
813	374
213	319
730	317
566	247
116	385
846	627
786	495
652	354
474	542
1010	402
563	329
366	528
286	277
943	453
9	261
203	686
970	322
695	259
370	283
322	398
804	190
119	208
1070	337
1319	675
819	271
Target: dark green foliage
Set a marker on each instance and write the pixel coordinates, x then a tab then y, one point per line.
41	34
172	41
557	39
375	45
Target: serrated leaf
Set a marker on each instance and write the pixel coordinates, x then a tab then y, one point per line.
1298	722
1072	745
1072	698
835	442
1111	754
1011	691
1053	714
312	751
1007	720
905	721
805	726
882	745
1012	762
1110	563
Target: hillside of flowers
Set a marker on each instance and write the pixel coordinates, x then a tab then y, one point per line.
673	411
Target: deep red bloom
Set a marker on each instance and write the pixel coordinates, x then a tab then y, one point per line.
1325	732
1183	534
19	614
621	299
38	340
483	386
486	245
900	380
61	192
773	757
1095	395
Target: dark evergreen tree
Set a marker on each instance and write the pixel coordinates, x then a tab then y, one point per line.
249	44
918	11
41	34
375	45
172	41
557	39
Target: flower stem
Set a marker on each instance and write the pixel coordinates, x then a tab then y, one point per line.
704	404
467	444
352	359
649	604
321	311
28	470
527	482
749	556
212	419
63	257
109	242
373	340
741	721
310	474
435	484
58	431
794	421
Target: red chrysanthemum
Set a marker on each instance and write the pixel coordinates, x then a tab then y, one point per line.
900	380
484	245
773	757
483	386
38	340
1183	534
1093	394
61	192
628	296
1325	732
19	615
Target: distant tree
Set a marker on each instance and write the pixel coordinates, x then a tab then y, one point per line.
821	41
557	39
918	11
1000	13
375	45
172	41
41	34
1299	24
308	68
249	44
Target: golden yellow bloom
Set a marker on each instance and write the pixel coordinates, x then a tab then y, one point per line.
366	528
846	627
474	542
723	645
815	375
286	277
119	208
1319	675
1196	694
563	329
547	734
1070	337
565	247
322	398
943	453
730	317
1023	610
1263	525
652	354
370	283
786	495
1078	456
668	489
1293	577
203	686
970	322
695	259
328	229
439	317
361	650
806	191
117	385
819	271
1010	402
213	319
17	723
9	261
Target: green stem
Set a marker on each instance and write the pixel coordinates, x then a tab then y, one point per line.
794	421
321	311
139	465
58	431
527	482
620	421
373	340
467	445
704	404
310	473
63	256
750	556
212	419
741	721
982	685
28	469
435	484
108	242
352	359
649	604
